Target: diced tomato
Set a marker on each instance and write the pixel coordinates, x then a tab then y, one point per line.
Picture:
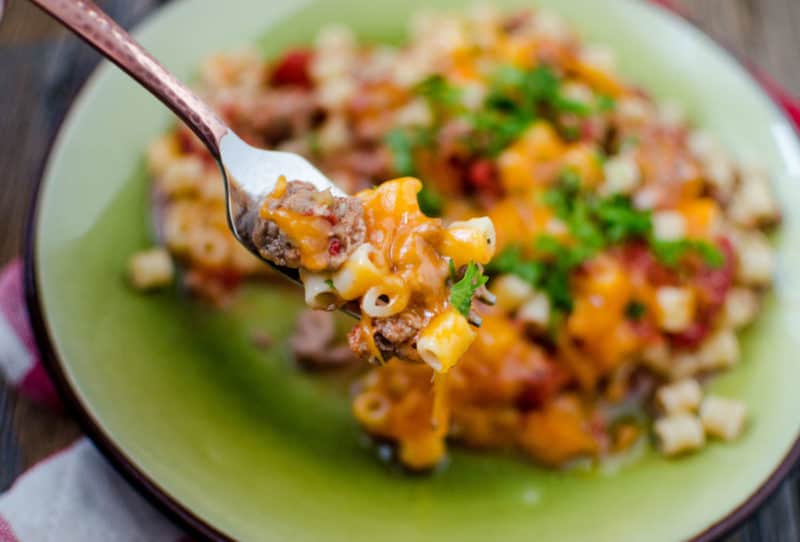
293	69
645	329
335	247
189	144
482	175
186	140
591	130
691	337
640	260
713	283
542	387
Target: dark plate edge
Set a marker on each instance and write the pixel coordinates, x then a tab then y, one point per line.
158	496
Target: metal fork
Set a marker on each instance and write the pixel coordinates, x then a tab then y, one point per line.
249	173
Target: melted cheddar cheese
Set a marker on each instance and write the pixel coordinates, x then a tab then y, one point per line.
402	270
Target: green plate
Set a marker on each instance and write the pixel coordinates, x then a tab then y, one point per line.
236	443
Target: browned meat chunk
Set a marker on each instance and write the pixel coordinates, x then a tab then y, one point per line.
274	245
395	336
339	219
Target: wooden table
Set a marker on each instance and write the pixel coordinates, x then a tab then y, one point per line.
42	67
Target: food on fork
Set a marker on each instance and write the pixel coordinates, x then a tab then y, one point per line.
413	278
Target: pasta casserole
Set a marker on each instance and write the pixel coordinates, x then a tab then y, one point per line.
628	249
414	280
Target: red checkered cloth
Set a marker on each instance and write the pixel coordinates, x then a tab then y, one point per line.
74	495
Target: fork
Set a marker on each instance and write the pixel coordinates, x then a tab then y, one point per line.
249	173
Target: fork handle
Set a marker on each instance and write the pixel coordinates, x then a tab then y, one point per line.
89	22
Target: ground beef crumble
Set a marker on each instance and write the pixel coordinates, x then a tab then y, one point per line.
345	215
395	336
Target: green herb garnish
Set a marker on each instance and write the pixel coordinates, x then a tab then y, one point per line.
462	291
566	105
595	223
438	91
561	198
605	103
430	201
511	261
313	144
635	310
452	267
401	146
671	253
495	129
402	142
515	100
329	282
620	220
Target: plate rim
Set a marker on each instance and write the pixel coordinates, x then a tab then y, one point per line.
147	487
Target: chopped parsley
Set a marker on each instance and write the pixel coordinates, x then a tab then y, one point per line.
550	272
430	201
565	105
462	291
605	103
401	143
620	220
596	223
493	130
511	261
561	198
561	260
439	92
401	146
671	253
635	310
515	100
313	144
452	266
329	282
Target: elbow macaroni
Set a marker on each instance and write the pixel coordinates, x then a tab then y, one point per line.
511	291
681	396
535	311
319	290
372	410
386	299
676	308
720	351
151	269
470	240
723	418
680	433
445	340
359	273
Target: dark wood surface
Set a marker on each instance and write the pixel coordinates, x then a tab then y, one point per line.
42	68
